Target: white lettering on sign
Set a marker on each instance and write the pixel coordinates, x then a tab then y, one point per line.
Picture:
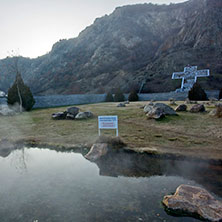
108	122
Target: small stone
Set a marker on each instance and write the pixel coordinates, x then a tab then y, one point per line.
121	105
197	108
182	107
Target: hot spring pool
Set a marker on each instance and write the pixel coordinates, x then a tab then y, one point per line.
45	185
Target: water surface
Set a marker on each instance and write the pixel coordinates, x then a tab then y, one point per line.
45	185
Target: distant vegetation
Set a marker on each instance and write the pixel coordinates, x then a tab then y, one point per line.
197	93
133	96
109	97
119	97
21	94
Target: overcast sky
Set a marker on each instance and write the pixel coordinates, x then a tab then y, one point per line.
31	27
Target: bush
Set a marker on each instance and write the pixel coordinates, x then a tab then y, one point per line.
26	97
109	97
197	93
119	97
220	94
133	96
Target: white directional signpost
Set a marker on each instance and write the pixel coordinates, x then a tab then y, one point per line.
108	122
189	77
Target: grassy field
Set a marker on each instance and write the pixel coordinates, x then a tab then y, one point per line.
188	133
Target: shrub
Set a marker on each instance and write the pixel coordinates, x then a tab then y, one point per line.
197	93
109	97
21	94
119	97
220	94
133	96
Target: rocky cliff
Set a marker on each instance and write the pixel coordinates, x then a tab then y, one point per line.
134	44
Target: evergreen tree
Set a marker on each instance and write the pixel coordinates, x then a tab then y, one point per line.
109	97
133	96
119	97
21	94
220	94
197	93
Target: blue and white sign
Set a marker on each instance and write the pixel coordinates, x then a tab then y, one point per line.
108	122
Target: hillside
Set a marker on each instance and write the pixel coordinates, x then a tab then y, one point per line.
135	43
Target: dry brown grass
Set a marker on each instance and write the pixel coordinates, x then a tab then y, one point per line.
192	134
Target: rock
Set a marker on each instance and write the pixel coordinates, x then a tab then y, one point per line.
73	110
197	108
81	115
89	114
6	111
213	112
151	103
155	113
121	105
218	105
167	110
97	151
158	110
59	115
70	116
173	103
148	108
126	102
182	107
194	201
212	99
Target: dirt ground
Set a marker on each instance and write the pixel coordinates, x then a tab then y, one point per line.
190	134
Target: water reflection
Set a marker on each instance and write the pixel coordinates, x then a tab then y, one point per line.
143	165
57	186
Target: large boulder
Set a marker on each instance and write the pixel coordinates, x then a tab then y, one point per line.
59	115
156	113
194	201
197	108
166	110
181	108
73	110
97	151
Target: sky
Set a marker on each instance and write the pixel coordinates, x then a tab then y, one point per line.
30	27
